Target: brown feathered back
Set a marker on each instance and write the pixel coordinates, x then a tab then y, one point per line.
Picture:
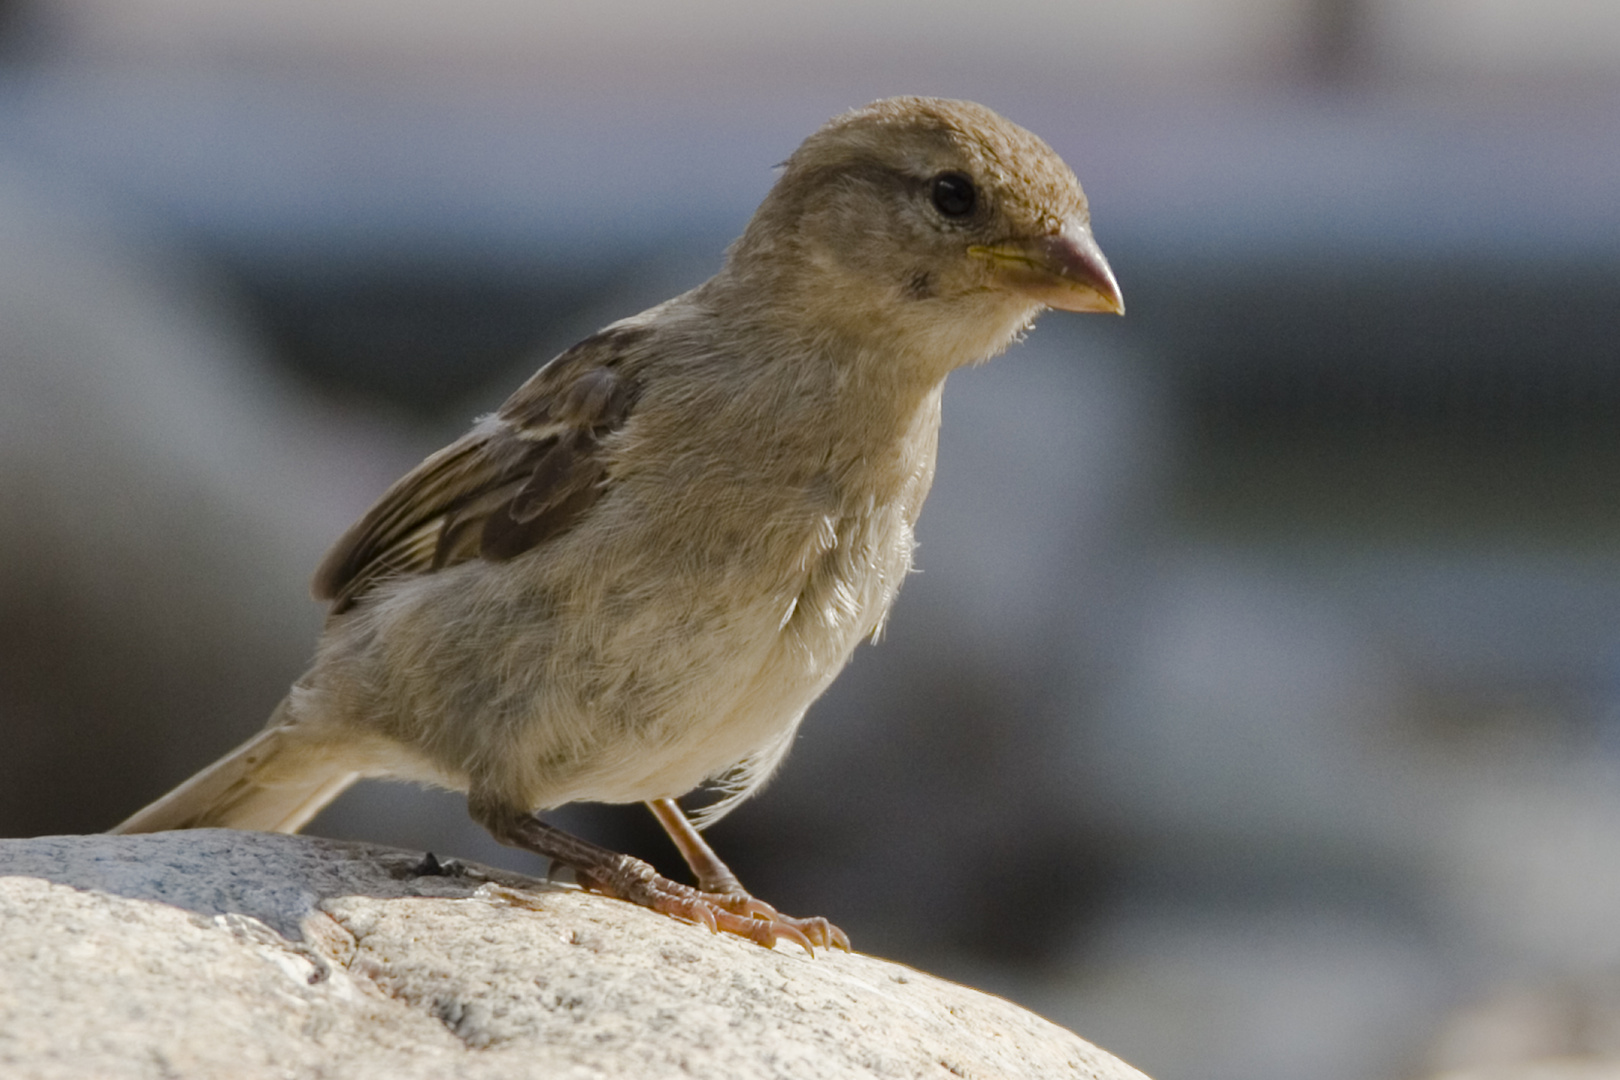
517	479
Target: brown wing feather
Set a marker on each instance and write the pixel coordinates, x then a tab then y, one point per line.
522	477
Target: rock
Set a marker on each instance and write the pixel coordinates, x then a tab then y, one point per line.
220	953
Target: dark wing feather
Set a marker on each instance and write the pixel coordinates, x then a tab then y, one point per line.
522	477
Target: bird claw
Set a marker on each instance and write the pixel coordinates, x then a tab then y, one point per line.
806	932
759	922
740	903
822	932
731	913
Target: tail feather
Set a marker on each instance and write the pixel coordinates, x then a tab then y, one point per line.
275	782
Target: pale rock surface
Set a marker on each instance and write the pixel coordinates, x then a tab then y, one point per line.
245	955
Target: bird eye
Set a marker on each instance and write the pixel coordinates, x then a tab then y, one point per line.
954	194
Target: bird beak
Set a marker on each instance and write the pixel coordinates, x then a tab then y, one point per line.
1064	270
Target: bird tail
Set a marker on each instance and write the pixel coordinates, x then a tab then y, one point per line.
274	782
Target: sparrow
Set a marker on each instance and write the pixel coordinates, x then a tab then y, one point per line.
636	575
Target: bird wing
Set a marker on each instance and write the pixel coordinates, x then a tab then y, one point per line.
520	477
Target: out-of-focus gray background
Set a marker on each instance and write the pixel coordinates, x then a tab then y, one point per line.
1257	712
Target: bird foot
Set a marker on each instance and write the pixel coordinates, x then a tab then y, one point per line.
628	878
733	913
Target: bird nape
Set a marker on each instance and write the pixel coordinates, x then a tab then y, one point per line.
635	576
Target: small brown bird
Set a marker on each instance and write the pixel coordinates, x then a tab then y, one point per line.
635	576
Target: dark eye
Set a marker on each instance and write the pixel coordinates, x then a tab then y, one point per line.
954	195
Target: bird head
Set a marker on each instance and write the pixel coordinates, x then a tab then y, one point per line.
928	226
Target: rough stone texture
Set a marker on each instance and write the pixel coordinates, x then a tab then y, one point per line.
217	953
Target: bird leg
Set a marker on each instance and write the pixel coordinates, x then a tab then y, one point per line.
715	878
628	878
712	875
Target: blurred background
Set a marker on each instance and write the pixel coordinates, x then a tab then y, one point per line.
1257	712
